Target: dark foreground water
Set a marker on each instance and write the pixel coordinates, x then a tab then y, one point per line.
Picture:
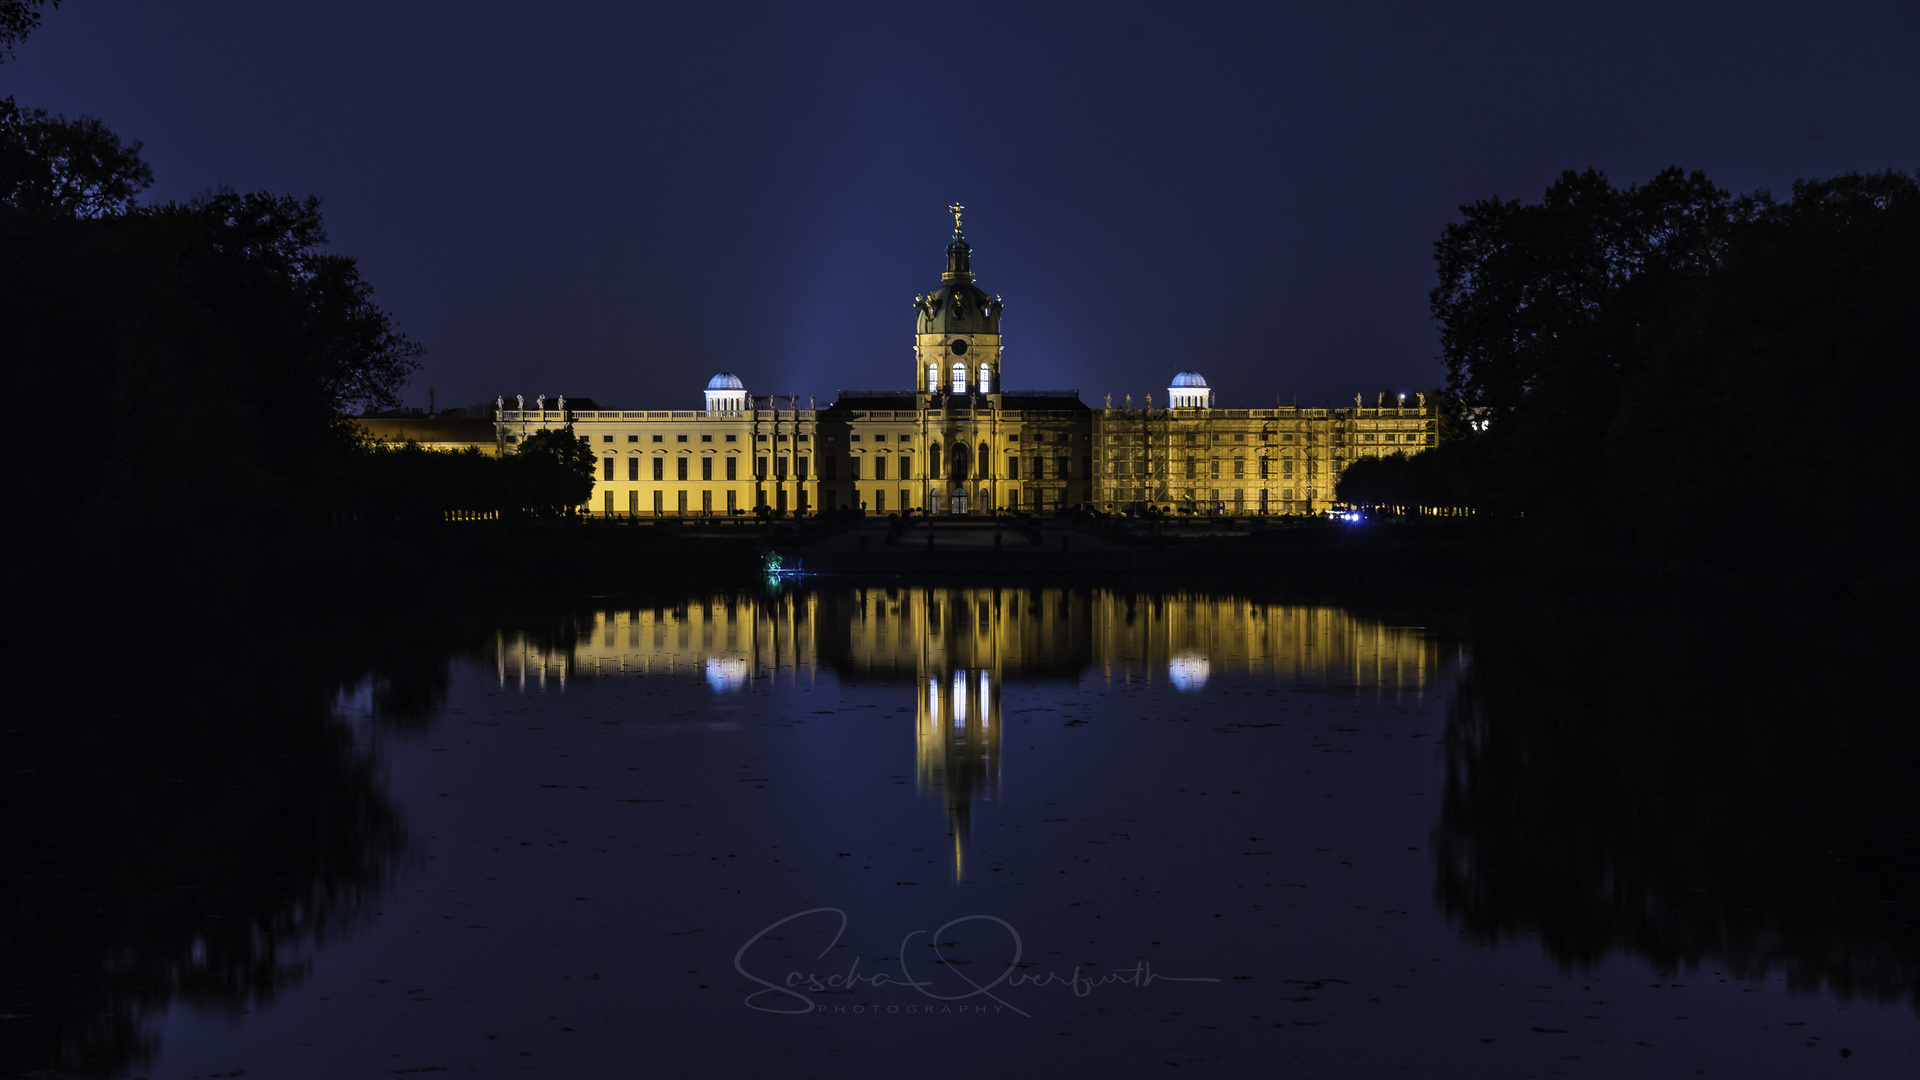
961	832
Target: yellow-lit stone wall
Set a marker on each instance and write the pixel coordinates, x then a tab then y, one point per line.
1244	461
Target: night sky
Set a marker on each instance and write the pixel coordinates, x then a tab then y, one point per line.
616	200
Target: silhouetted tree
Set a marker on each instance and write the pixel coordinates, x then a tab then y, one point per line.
66	168
555	471
212	347
1638	372
18	18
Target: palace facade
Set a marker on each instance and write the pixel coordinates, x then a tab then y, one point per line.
956	442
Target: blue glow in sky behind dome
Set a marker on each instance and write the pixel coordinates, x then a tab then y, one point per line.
615	200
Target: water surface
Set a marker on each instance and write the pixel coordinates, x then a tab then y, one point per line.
833	831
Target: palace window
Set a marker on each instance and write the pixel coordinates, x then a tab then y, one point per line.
986	379
680	468
879	468
800	468
853	438
706	468
1239	467
659	438
633	438
706	438
853	468
633	468
606	438
733	438
659	470
733	466
1213	467
1013	467
606	468
933	377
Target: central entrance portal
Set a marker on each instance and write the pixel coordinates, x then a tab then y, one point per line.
959	501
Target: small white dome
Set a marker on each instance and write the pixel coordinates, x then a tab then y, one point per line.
1188	378
725	381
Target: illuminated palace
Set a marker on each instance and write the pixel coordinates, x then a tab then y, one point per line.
958	442
952	651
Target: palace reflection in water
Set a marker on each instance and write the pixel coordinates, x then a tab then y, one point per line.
952	650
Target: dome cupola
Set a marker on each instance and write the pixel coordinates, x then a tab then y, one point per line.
958	306
1189	391
726	394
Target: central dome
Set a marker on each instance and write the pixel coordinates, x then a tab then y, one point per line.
958	306
726	380
1188	378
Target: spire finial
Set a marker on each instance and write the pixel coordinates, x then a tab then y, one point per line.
955	211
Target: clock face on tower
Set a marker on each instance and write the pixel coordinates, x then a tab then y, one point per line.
959	348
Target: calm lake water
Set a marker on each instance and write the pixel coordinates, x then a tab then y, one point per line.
844	831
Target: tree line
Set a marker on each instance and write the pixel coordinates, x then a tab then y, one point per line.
1671	383
191	366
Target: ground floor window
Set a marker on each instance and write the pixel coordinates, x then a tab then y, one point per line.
659	501
607	503
633	499
1239	500
706	500
879	502
683	499
1013	499
732	496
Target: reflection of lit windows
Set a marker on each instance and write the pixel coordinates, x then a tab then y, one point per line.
959	699
933	700
984	711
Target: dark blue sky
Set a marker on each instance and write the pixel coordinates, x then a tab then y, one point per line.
617	199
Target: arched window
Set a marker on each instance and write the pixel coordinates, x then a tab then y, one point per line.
960	377
985	457
958	464
933	378
933	461
986	385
